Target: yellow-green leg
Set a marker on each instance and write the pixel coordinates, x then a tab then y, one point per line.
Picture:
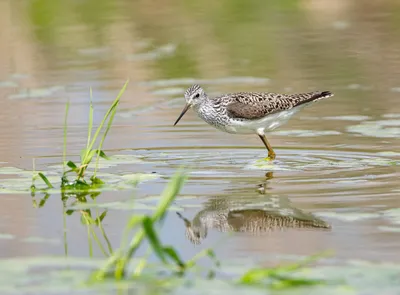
271	153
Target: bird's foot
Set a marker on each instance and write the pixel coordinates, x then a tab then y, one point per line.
267	159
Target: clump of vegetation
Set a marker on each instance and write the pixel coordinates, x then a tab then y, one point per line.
87	153
78	170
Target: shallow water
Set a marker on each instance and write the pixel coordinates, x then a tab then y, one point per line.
334	184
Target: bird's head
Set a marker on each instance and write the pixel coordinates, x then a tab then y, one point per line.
194	96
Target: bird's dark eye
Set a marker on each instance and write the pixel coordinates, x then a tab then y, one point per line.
197	95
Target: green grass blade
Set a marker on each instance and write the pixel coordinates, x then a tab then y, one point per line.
46	181
34	175
154	241
113	112
64	213
134	221
102	154
65	135
192	262
43	200
254	276
100	225
102	215
97	240
89	237
167	197
171	252
112	107
283	282
90	127
142	263
83	153
169	194
88	156
257	275
116	259
306	262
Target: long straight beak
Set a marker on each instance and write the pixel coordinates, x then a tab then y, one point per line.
187	106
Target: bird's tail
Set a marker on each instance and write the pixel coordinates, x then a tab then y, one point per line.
303	98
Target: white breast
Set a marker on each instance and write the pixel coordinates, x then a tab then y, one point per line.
267	123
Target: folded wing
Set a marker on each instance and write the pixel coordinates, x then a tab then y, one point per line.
248	105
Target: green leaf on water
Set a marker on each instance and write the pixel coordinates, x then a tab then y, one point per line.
64	180
96	180
46	181
76	185
69	212
81	183
72	165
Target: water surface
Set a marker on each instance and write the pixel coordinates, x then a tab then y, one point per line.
334	184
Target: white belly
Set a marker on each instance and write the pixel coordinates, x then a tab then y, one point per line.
268	123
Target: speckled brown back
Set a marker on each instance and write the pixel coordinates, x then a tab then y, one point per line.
255	105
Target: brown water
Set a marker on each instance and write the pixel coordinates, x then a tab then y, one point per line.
337	160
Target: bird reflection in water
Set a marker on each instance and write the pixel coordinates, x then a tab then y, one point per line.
256	215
